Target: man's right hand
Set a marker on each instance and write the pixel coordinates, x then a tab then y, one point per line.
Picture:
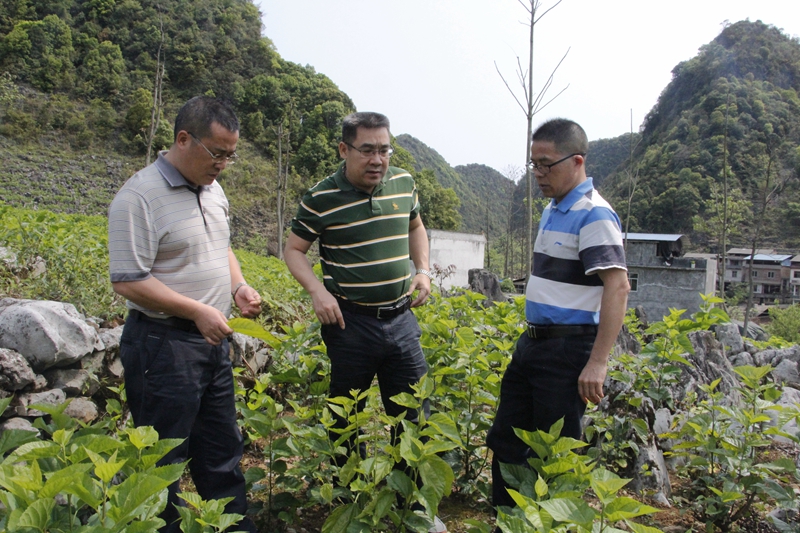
212	324
327	308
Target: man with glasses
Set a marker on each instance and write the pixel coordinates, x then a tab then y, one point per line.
170	256
575	303
366	218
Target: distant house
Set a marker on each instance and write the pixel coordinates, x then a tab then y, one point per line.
662	278
773	274
794	280
464	250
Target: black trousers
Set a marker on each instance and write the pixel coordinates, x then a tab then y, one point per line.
183	387
539	387
368	347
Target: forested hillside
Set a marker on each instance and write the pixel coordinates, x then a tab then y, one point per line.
735	102
84	84
88	88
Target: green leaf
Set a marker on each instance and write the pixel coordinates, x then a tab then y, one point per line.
340	519
64	478
142	436
624	507
436	473
639	528
570	510
38	514
13	438
401	483
445	426
252	328
33	450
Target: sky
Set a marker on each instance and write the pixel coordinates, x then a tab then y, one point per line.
432	66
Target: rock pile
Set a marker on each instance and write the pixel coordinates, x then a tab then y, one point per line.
51	354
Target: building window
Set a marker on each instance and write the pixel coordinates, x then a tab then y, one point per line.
735	274
770	274
633	279
755	273
797	274
757	289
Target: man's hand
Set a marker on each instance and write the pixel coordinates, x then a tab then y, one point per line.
422	283
590	382
249	301
212	324
327	308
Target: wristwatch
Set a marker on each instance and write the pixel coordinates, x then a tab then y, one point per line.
426	272
237	287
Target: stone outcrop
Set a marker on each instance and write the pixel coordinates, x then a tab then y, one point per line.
47	334
485	282
50	355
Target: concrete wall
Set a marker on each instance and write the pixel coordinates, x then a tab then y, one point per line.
464	250
661	286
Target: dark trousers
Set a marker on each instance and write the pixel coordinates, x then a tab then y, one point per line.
539	387
183	387
368	347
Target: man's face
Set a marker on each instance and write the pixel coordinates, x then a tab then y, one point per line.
197	165
365	172
562	177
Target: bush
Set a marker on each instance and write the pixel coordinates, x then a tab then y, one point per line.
785	323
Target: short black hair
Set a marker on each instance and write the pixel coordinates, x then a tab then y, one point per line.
566	135
197	115
366	119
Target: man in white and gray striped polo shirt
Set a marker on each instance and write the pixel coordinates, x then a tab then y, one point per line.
170	256
575	303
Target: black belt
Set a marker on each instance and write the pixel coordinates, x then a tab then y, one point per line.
381	313
175	322
553	331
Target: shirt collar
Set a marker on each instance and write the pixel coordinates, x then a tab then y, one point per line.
573	196
170	173
344	185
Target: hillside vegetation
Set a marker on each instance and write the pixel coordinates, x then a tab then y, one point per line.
81	82
740	91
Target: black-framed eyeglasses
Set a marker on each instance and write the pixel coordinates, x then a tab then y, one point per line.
384	151
216	158
545	169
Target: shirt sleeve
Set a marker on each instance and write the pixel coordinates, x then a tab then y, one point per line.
601	245
307	224
132	238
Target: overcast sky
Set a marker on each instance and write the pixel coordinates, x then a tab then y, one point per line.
429	65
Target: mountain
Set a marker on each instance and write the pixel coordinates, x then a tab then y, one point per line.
481	189
736	101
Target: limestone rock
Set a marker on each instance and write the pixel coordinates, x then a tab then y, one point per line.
49	397
15	372
82	409
18	423
709	363
110	339
74	382
45	333
486	283
728	334
243	347
655	478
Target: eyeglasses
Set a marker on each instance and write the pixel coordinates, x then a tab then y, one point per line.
545	169
217	158
384	151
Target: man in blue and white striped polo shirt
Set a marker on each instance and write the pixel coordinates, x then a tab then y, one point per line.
576	300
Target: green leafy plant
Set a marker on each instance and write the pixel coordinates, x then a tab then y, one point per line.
549	490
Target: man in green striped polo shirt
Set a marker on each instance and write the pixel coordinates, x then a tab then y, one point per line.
366	218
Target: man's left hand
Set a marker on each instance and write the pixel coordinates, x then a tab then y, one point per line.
249	301
422	283
590	382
